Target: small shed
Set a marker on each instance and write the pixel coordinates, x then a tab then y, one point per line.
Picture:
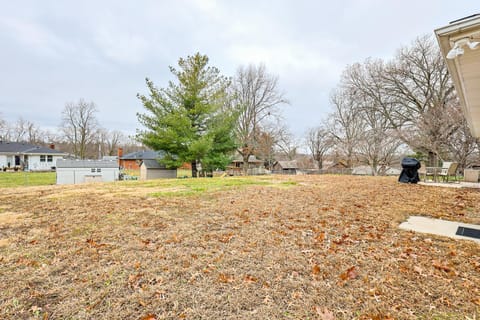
285	167
82	171
152	169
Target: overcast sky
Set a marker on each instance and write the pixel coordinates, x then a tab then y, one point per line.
54	52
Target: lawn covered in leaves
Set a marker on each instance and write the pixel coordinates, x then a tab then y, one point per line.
302	247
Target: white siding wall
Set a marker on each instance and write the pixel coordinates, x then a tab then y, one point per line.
79	175
35	164
3	161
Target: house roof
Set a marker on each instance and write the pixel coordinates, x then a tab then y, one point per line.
63	163
152	164
251	159
464	67
288	164
26	148
143	155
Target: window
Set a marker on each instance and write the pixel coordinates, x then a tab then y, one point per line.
99	170
50	158
92	170
42	158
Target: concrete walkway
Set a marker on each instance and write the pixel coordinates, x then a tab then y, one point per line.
460	184
438	227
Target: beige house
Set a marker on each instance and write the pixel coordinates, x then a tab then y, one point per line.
152	169
460	45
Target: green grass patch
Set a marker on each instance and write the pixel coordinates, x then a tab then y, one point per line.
189	187
289	183
23	179
184	173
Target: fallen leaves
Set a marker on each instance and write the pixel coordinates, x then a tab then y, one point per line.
225	278
324	313
329	242
250	279
442	266
350	274
316	270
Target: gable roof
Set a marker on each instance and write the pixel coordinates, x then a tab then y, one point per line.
26	148
153	164
143	155
63	163
288	164
251	159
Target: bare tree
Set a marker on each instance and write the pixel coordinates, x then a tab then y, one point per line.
319	142
461	145
79	126
413	93
347	127
109	141
420	93
265	148
26	131
256	98
4	130
285	143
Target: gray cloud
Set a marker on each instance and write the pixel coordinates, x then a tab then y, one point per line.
53	52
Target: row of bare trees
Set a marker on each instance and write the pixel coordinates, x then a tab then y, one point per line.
381	107
259	130
79	133
255	98
23	130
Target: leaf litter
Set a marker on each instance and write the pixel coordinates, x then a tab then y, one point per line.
319	247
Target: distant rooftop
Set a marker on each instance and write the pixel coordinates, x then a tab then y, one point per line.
62	163
26	148
143	155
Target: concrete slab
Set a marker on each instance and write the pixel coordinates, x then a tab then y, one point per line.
437	227
462	184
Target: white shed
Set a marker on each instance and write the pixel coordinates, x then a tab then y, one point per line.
152	169
81	171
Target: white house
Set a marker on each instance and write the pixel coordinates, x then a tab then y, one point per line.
82	171
24	156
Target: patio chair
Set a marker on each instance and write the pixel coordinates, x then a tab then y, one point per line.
433	172
449	169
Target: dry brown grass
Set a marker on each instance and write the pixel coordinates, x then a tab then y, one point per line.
321	247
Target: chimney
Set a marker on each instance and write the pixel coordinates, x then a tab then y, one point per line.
119	155
52	146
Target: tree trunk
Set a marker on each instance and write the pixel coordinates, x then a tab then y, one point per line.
194	169
245	157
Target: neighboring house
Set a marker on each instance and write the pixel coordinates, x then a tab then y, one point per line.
285	167
393	171
24	156
152	169
133	160
81	171
254	166
367	171
336	167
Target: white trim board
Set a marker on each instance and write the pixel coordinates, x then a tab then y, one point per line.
437	227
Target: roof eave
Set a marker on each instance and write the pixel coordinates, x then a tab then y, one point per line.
445	38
